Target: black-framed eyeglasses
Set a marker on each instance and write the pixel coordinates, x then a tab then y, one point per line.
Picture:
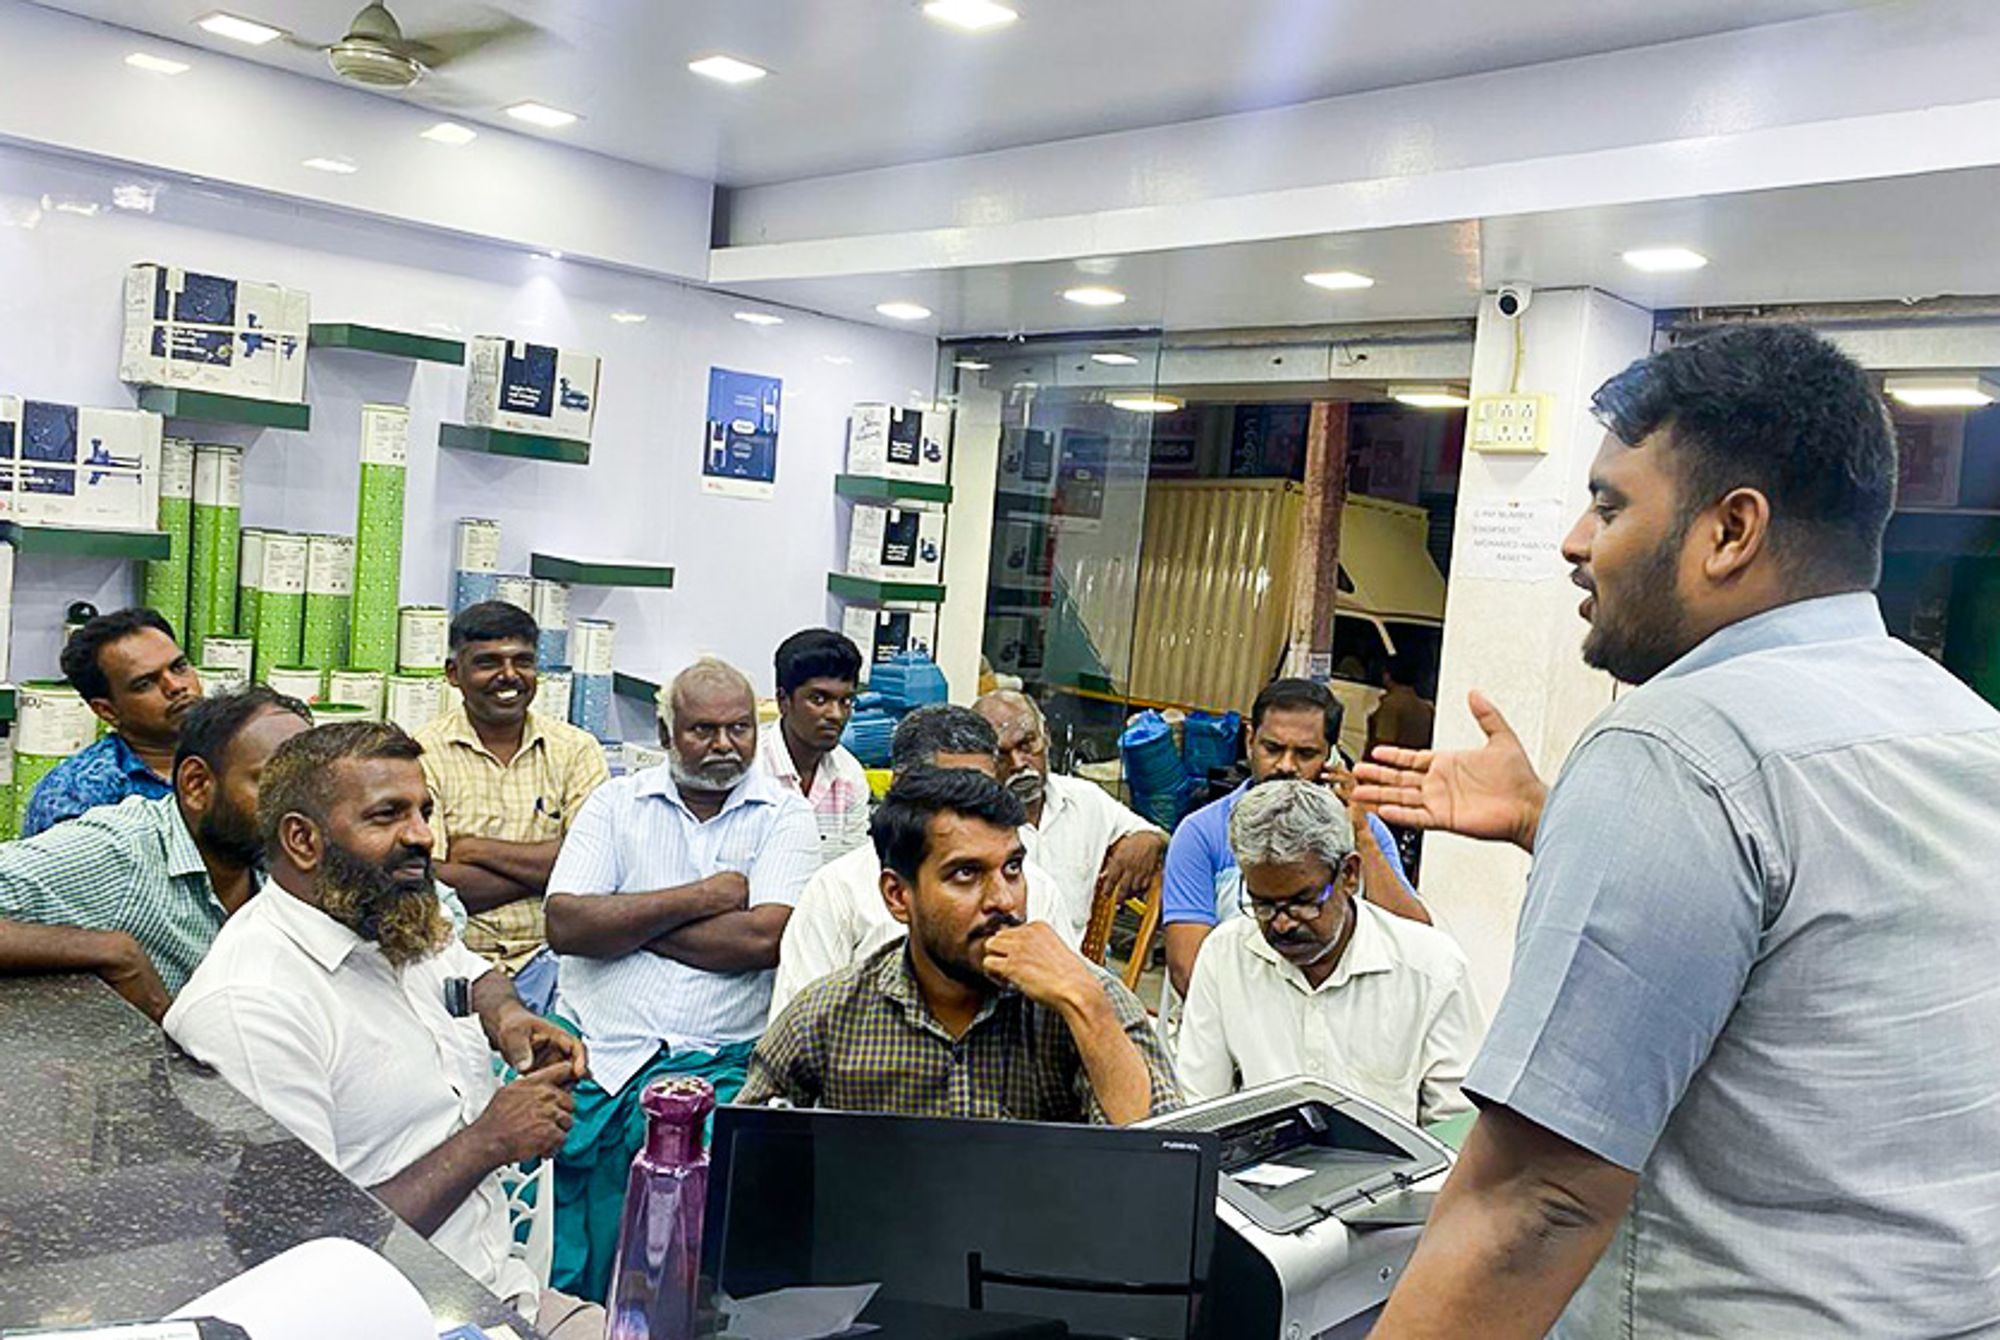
1304	907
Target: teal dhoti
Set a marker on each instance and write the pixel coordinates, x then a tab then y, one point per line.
596	1162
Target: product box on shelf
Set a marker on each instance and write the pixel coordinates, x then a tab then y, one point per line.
896	544
213	333
892	442
62	465
882	633
1027	463
520	387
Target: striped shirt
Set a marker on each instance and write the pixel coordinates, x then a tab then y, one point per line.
533	797
129	867
636	835
839	795
863	1040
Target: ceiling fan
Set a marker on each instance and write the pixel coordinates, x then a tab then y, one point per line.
377	53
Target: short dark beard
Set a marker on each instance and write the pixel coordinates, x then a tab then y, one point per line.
1645	629
231	836
953	957
403	918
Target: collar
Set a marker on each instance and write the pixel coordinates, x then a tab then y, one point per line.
758	787
896	979
1803	623
1367	952
772	753
324	940
183	856
129	762
456	727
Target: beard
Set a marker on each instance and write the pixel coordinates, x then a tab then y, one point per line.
1028	786
717	772
953	956
1645	630
232	836
402	916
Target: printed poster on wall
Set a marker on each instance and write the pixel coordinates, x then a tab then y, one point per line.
740	458
1511	540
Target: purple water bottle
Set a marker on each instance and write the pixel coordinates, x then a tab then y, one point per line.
659	1240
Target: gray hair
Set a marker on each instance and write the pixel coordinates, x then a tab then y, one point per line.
940	728
705	671
1286	822
1013	700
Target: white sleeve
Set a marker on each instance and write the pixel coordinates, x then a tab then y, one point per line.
814	943
1202	1061
1047	902
271	1053
1449	1045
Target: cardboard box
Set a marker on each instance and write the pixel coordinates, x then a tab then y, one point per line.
1028	462
884	633
896	544
520	387
10	437
891	442
96	468
213	333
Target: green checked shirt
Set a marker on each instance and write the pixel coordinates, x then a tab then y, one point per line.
862	1040
128	867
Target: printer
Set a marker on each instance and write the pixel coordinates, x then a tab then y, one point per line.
1320	1200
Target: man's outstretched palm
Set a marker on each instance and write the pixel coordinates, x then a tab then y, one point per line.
1491	792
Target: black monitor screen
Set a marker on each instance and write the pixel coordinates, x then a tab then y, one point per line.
801	1198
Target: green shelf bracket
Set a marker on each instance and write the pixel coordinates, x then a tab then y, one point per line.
868	588
586	572
635	686
391	343
180	402
67	542
870	489
6	702
499	442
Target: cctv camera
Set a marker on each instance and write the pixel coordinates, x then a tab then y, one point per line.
1513	299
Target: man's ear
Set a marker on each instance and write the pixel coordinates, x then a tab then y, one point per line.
896	894
195	784
301	841
451	671
1349	879
1738	529
105	711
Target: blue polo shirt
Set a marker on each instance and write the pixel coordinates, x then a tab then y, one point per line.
102	774
1202	885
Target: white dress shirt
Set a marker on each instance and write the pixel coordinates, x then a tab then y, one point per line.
839	795
636	835
1395	1021
1080	823
840	919
357	1059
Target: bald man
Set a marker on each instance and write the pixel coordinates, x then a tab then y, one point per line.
666	904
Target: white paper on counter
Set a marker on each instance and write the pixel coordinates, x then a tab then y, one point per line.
326	1289
796	1314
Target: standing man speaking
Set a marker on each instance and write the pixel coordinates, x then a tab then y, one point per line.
1746	1080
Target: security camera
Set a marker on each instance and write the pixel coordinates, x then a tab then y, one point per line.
1513	299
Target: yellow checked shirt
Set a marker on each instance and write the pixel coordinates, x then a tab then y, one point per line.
532	798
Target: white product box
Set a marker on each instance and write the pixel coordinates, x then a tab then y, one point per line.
530	388
884	633
84	467
1028	462
213	333
10	440
891	442
896	544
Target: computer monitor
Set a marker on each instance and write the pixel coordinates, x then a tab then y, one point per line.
1109	1231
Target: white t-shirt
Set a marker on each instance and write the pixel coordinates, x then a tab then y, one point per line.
361	1062
1080	823
1395	1021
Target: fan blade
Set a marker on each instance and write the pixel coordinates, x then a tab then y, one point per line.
444	48
301	44
441	93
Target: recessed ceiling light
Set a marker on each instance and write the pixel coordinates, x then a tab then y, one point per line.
1429	397
1338	280
903	311
1093	295
760	319
238	30
972	15
971	365
139	60
450	132
838	360
628	318
1664	260
1115	360
340	165
1147	404
541	114
87	208
1963	392
550	255
727	69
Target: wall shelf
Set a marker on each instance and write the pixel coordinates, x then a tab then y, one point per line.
849	587
586	572
499	442
180	402
70	542
635	686
7	702
390	343
870	489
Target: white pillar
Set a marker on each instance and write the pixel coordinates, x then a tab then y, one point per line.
1518	640
968	540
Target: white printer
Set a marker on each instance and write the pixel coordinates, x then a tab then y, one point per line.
1320	1201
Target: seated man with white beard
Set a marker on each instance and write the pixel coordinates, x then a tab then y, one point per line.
326	1001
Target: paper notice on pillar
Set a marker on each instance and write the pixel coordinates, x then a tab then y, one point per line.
1511	540
740	457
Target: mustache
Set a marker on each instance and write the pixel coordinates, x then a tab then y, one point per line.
1579	578
999	921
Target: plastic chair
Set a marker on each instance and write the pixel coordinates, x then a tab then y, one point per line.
1104	909
531	1214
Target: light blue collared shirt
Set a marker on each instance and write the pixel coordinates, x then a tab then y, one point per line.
1759	963
635	834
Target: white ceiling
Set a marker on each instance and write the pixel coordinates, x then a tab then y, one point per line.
865	83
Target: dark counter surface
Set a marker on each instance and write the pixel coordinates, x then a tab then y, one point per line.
133	1179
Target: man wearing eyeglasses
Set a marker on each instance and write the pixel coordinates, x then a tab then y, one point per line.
1313	980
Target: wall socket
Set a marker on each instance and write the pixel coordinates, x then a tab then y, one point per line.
1511	423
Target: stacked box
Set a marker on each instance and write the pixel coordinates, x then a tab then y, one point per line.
213	333
54	722
360	688
216	520
882	633
230	660
890	442
520	387
281	602
555	688
551	611
413	701
515	590
329	591
297	681
220	679
327	713
475	569
422	639
591	701
378	537
9	829
165	580
901	544
86	467
249	574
